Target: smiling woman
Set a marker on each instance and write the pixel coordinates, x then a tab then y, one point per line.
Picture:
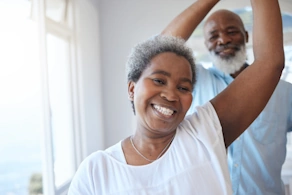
163	139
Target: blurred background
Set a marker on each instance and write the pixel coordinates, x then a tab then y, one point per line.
63	91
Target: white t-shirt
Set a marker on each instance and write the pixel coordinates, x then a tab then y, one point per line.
195	163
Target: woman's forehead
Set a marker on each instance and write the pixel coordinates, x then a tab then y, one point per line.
171	62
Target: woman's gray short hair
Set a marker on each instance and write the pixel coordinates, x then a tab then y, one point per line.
144	52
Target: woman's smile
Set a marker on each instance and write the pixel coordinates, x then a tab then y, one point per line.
165	111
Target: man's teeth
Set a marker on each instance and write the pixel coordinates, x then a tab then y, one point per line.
163	110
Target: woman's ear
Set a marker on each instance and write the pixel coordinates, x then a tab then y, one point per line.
131	87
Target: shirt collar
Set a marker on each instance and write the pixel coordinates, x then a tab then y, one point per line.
221	74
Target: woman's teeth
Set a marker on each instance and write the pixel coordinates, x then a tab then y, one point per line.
164	111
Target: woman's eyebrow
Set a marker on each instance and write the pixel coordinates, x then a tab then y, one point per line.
183	79
161	72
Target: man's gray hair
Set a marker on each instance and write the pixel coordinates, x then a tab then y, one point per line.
144	52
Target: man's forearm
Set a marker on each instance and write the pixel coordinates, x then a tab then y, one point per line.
185	23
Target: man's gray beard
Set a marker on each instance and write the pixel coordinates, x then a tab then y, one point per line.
232	64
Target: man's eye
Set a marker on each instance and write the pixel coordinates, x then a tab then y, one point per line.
213	38
232	32
158	81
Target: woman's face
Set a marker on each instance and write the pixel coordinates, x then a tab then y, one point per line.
163	93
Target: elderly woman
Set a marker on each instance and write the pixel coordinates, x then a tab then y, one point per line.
169	154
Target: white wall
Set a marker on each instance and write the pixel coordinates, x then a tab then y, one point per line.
87	27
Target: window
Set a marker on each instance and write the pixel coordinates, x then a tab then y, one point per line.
60	95
20	102
39	118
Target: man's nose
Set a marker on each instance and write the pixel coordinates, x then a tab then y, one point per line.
224	39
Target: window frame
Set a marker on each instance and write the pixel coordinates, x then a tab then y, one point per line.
60	30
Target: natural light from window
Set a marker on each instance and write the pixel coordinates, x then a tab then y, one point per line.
20	106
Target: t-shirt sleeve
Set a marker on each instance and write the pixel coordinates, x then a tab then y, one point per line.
205	124
82	182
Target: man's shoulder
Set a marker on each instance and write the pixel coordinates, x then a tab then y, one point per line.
284	85
283	82
200	67
282	94
203	70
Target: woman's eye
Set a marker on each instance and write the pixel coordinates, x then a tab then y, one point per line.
184	89
158	81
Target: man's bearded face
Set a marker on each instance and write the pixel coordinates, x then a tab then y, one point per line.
227	62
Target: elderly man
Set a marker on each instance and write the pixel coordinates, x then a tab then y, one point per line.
256	157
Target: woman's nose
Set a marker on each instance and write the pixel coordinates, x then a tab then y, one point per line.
169	95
